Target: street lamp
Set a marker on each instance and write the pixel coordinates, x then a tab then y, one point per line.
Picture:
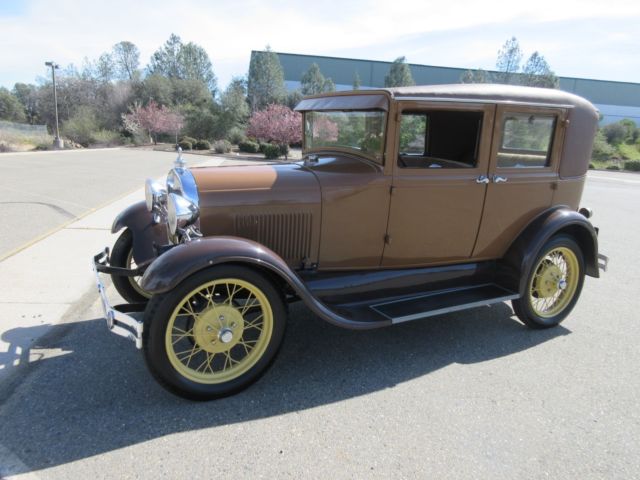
57	142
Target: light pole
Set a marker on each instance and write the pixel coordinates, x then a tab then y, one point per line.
57	142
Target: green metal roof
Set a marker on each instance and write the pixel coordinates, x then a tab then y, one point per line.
372	73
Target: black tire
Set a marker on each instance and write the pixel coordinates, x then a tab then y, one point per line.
524	307
121	256
164	311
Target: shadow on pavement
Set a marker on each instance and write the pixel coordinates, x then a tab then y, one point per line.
100	397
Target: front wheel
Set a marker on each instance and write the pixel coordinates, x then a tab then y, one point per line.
554	284
215	333
122	256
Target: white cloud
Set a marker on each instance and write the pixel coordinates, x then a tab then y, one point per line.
463	33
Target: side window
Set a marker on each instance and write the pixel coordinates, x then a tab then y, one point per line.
413	134
526	140
439	139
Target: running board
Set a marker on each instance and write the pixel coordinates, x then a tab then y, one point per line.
444	301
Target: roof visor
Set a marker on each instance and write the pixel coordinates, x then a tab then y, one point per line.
345	102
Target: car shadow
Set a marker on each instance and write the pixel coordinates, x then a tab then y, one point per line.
98	396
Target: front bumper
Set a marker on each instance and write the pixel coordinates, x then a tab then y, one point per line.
118	319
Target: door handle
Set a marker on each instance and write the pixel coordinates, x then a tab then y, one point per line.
499	179
482	179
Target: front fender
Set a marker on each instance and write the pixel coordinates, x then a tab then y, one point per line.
182	261
145	232
522	253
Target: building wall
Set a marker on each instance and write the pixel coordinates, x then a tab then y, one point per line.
615	100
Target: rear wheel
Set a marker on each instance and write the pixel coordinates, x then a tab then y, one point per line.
553	284
215	333
122	256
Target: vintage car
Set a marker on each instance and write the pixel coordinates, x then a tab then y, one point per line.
408	202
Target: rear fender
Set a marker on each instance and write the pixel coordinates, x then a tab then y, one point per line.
146	233
182	261
523	251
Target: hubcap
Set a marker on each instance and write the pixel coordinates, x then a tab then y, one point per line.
219	331
554	282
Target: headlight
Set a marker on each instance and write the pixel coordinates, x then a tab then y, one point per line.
154	194
180	212
182	182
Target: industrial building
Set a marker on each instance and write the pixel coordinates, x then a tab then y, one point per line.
615	100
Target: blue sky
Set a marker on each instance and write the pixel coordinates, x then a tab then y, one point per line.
582	38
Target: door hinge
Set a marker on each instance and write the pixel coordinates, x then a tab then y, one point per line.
391	189
387	239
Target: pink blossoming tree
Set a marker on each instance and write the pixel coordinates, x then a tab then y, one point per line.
153	119
277	124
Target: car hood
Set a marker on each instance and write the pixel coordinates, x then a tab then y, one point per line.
277	205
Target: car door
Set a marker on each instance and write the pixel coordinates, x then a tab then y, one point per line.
523	172
439	181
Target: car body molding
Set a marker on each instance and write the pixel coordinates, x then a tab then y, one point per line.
182	261
146	233
524	250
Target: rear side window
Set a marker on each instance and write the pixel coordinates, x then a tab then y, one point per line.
526	140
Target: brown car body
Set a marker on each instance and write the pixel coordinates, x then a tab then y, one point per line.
342	213
452	197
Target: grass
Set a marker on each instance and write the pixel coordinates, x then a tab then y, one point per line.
22	142
629	152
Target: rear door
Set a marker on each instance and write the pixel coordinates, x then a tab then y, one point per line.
439	181
523	171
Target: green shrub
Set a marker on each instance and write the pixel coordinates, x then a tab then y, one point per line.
284	149
235	136
222	146
633	165
271	151
185	144
81	126
262	146
601	148
106	137
249	146
615	133
591	166
202	145
613	167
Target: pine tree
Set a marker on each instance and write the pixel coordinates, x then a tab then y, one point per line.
266	80
508	62
399	74
537	73
313	82
356	81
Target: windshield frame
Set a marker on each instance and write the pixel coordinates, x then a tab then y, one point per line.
344	149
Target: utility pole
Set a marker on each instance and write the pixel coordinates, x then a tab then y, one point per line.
57	141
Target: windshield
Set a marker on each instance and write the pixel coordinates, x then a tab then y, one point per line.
357	130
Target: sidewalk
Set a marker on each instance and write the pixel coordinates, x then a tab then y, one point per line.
40	284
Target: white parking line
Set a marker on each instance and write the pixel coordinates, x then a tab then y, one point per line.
612	179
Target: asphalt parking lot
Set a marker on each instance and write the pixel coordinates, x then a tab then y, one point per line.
467	395
44	190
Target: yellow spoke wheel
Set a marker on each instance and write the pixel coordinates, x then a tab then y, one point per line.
553	285
214	333
554	282
219	330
